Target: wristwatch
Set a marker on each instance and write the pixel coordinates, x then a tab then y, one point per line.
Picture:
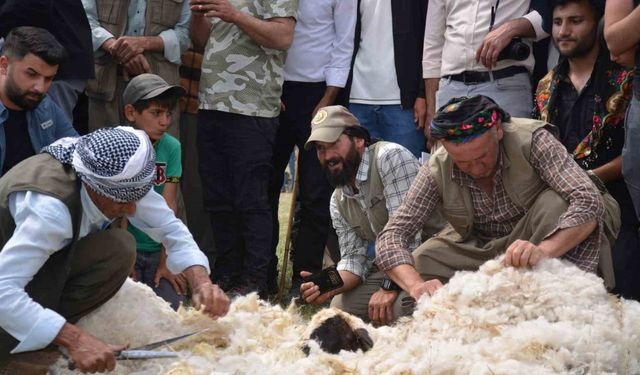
389	285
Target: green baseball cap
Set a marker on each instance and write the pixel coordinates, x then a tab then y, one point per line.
148	86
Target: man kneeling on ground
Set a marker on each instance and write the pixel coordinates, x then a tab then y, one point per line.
505	185
371	179
59	262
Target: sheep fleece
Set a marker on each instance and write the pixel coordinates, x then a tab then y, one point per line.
553	319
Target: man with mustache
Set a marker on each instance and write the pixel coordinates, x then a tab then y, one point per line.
371	179
29	120
586	96
506	186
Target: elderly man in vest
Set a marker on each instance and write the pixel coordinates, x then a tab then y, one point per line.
58	262
371	179
131	37
506	186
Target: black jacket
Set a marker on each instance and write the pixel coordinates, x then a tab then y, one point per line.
408	19
65	19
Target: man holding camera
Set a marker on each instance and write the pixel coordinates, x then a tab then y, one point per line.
475	47
371	179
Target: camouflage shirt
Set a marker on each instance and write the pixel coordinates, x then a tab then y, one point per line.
238	75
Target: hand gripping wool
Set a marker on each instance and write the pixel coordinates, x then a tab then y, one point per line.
552	319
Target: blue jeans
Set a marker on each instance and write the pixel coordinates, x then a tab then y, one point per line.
391	123
631	153
513	94
146	266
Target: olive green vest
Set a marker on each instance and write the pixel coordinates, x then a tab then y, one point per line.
368	222
43	174
161	15
521	182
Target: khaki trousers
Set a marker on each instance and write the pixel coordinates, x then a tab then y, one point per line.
440	257
75	284
356	301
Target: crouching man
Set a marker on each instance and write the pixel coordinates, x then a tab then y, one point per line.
505	185
58	262
370	180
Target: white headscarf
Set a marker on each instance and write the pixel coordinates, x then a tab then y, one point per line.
118	163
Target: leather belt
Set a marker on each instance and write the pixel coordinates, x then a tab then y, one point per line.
471	77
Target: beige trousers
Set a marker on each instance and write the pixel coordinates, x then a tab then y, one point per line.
440	257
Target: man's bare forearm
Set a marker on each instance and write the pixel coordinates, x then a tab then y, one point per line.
621	26
566	239
199	29
405	275
196	275
610	171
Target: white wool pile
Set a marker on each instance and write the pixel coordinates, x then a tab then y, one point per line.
554	319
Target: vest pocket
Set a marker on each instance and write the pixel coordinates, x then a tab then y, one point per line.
109	10
165	12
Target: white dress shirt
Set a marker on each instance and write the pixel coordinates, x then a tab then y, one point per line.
322	42
455	30
175	40
44	226
374	72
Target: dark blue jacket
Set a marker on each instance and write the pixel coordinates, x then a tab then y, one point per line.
47	123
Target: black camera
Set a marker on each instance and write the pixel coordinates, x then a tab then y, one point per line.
515	50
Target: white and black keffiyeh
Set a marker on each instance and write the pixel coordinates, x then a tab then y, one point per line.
118	163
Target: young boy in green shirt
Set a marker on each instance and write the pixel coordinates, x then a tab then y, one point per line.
148	104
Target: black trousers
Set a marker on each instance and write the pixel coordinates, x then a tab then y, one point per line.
312	217
235	167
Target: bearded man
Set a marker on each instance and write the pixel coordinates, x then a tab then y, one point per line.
29	120
586	96
370	180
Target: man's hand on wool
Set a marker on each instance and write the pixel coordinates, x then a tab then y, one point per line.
523	253
204	294
310	292
381	306
211	298
429	287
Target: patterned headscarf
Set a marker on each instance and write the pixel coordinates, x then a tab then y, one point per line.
463	119
118	163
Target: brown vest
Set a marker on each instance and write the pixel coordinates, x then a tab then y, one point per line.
161	15
43	174
521	182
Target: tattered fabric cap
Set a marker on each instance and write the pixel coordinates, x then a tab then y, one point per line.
330	122
118	163
463	118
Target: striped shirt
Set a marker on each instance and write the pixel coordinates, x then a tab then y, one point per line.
397	168
496	215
